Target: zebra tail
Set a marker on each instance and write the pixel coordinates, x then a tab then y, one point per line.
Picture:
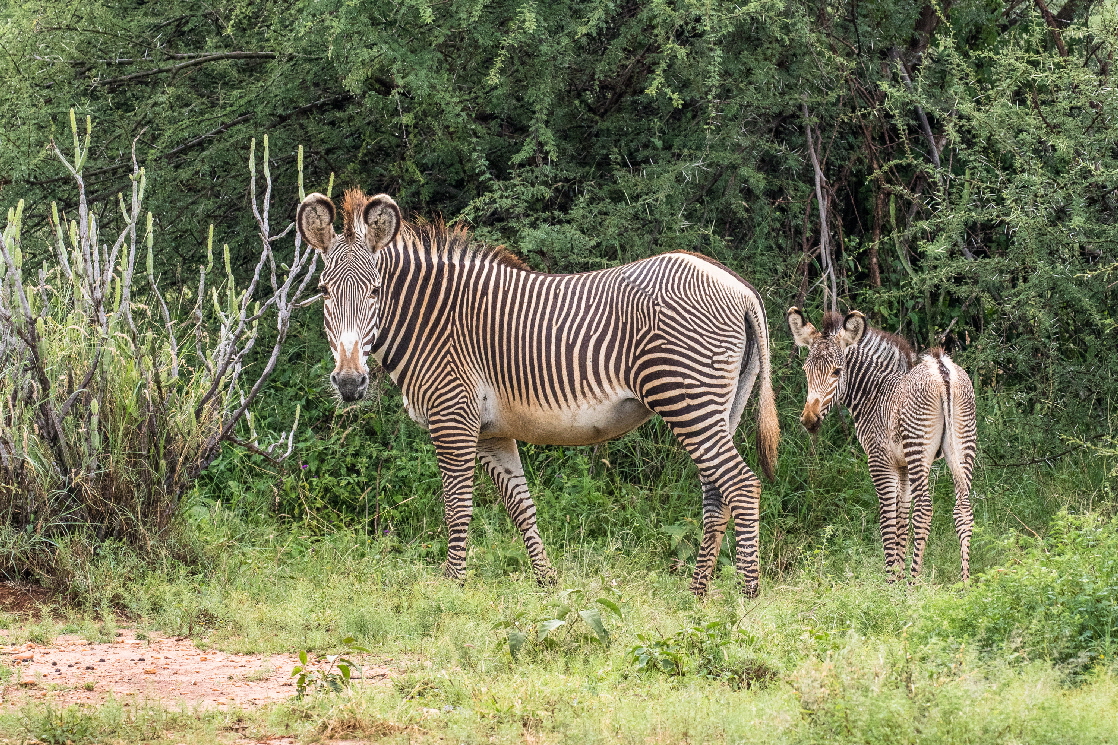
768	425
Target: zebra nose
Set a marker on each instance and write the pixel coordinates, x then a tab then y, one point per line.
351	386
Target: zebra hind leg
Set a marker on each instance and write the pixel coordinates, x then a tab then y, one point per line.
716	514
959	447
720	463
918	471
501	460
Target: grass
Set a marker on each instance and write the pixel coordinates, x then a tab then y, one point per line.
830	652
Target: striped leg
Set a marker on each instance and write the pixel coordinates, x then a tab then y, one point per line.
964	517
719	463
919	467
716	514
959	445
922	433
501	461
888	485
455	444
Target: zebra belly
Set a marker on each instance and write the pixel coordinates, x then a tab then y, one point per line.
583	424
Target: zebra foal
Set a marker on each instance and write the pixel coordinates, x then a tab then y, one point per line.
907	411
487	352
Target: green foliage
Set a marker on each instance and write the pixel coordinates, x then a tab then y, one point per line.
327	673
701	649
1057	602
586	133
559	627
70	726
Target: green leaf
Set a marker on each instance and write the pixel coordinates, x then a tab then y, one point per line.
516	641
611	606
544	628
593	619
303	656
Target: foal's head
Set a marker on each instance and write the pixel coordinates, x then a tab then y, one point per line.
825	358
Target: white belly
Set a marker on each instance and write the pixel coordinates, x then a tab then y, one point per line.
591	422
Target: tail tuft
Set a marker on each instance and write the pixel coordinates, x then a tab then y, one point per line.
768	425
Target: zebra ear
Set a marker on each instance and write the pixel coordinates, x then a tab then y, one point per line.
315	221
382	221
802	331
853	329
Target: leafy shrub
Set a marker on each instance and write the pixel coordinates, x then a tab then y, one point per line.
110	412
702	650
1058	602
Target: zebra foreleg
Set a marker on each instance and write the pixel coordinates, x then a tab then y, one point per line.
456	453
889	486
716	514
501	460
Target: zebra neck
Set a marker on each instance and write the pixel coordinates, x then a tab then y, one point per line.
871	371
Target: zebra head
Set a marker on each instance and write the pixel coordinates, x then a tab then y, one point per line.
825	357
350	281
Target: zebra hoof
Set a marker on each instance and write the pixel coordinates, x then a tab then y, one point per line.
547	578
454	574
751	589
698	590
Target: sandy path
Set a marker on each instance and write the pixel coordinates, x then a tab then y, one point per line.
169	670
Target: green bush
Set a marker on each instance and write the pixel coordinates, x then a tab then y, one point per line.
1058	601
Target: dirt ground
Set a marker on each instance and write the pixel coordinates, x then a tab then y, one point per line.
169	670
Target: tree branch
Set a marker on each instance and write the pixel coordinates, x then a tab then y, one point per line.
183	65
1052	26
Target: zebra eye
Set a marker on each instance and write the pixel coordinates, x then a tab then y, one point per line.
837	371
324	289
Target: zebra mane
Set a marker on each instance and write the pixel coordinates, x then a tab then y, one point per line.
432	237
454	242
875	342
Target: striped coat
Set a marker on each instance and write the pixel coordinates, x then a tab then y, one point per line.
487	352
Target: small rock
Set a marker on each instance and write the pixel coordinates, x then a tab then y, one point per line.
24	657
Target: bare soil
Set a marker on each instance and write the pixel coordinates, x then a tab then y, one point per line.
169	670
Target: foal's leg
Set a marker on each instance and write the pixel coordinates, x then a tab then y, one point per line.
501	460
959	448
887	484
920	452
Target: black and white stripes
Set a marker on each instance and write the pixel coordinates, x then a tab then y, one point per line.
487	352
907	412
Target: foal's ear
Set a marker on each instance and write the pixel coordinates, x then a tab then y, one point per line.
802	331
315	221
853	329
382	221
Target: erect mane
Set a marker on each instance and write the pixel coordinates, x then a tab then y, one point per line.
353	204
832	324
434	237
439	240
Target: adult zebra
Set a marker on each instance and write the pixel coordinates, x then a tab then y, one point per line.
487	352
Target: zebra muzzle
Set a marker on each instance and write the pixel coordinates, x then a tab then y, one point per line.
810	417
350	385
